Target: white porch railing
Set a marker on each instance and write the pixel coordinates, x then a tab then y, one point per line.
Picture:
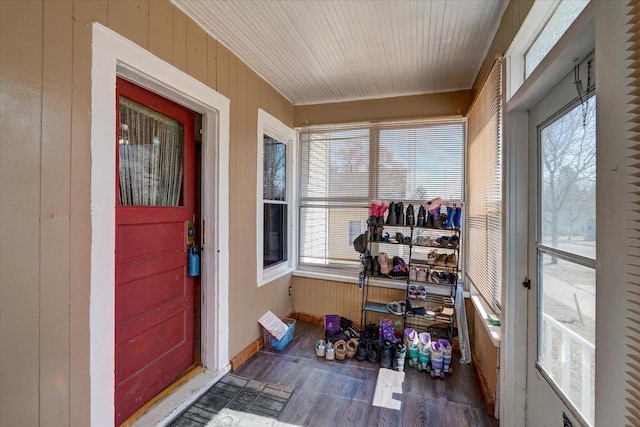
569	359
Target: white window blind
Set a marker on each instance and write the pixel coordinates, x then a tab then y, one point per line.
484	190
343	168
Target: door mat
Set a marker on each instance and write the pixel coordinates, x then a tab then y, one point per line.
234	398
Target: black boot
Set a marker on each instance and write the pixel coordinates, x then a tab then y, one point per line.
422	213
392	218
400	213
411	221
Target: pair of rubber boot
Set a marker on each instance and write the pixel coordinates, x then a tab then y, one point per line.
454	214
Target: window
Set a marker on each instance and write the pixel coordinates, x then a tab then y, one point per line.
484	190
275	219
343	168
566	12
544	26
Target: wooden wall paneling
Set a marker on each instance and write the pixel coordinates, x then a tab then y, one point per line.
250	163
21	47
197	51
265	96
179	39
161	29
54	213
222	70
212	62
130	19
85	12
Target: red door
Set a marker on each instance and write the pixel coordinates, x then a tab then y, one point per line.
154	295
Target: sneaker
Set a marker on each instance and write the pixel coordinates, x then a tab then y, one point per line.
413	274
446	356
352	348
400	355
432	256
330	352
434	277
341	349
320	348
362	351
422	292
422	275
431	242
386	354
397	307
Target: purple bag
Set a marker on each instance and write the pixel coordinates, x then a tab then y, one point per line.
332	323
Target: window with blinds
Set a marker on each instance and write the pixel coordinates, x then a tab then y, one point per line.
484	190
343	168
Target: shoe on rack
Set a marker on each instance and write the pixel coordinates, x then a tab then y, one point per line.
451	260
410	217
416	311
386	354
400	213
320	348
330	352
398	308
432	256
376	267
422	217
422	275
413	274
392	219
457	215
385	263
412	291
434	277
340	349
441	260
422	292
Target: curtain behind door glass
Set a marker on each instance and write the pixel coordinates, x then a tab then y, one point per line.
151	157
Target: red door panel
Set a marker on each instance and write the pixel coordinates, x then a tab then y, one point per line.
154	295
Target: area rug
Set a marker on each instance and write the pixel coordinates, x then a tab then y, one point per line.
235	401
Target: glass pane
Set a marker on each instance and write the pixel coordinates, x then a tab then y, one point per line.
275	234
275	170
562	18
421	163
327	234
568	188
150	157
335	164
567	329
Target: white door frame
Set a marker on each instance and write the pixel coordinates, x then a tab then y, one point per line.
115	56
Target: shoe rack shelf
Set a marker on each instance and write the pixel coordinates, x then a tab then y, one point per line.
437	291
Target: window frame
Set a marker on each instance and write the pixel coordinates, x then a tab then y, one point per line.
274	128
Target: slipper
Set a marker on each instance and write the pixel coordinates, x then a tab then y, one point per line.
352	348
341	349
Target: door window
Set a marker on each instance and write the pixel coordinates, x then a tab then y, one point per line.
566	247
150	157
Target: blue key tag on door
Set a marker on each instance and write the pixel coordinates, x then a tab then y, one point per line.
193	264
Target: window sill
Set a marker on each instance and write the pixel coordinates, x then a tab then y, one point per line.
483	310
274	275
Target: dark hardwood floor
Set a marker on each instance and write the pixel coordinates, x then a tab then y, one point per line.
339	393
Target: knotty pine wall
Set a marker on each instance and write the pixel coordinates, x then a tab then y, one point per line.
45	66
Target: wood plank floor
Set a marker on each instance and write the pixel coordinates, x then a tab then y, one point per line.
339	393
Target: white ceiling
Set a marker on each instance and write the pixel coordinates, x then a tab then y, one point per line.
318	51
